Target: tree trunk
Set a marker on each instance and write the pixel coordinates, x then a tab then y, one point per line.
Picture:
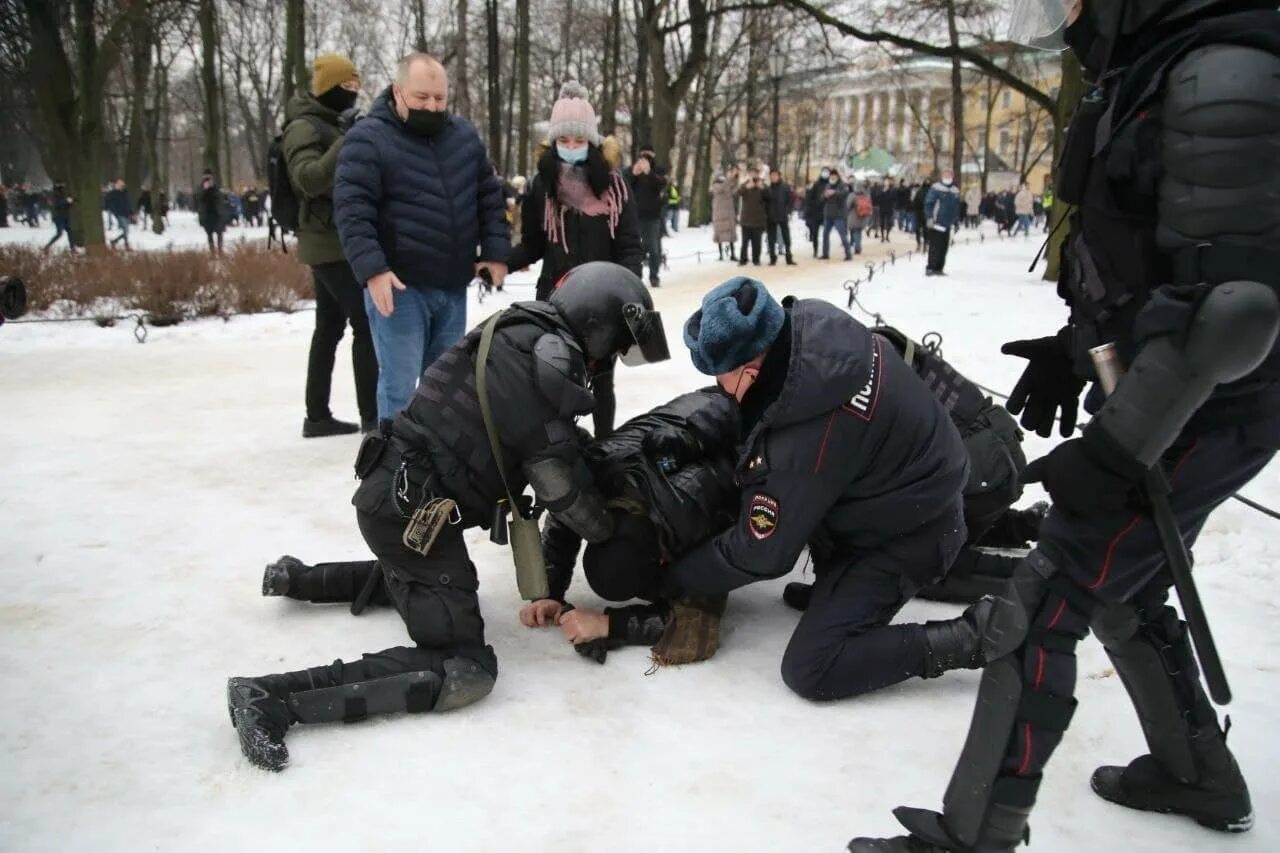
209	89
140	146
493	81
668	90
463	86
420	25
507	159
957	98
612	55
159	124
522	82
640	115
295	51
228	173
1068	99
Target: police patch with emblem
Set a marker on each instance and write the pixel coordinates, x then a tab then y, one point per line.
762	516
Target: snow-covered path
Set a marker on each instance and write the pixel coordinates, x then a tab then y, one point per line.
142	488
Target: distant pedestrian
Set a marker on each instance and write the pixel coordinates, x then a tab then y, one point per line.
778	201
117	204
942	212
724	215
835	214
648	184
61	211
753	217
212	211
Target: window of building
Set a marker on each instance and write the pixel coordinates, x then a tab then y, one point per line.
1005	142
1006	100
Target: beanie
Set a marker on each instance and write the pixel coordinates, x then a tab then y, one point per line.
738	320
572	115
330	70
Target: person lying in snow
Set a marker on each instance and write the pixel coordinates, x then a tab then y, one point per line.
667	478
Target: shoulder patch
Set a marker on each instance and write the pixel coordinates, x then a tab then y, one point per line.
763	516
863	404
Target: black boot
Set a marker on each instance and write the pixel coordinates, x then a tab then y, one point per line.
276	576
328	426
261	717
797	595
1217	799
975	573
957	643
368	425
791	261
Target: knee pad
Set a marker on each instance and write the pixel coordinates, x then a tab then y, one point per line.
465	682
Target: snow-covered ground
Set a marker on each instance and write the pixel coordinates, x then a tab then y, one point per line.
142	489
182	232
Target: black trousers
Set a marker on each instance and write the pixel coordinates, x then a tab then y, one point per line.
750	237
885	224
939	242
1092	566
651	235
779	240
435	595
339	301
844	645
211	236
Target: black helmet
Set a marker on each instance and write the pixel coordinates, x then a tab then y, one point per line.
1041	23
611	314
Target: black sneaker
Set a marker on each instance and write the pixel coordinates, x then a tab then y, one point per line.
654	281
327	427
368	425
260	718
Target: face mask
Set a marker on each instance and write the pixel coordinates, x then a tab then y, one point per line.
835	179
425	122
947	180
338	99
826	175
571	155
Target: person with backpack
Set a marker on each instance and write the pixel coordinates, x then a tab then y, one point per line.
860	209
315	125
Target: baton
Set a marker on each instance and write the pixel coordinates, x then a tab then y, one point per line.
1106	362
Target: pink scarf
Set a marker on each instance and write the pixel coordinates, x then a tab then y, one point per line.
574	193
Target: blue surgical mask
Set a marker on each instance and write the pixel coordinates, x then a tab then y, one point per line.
571	155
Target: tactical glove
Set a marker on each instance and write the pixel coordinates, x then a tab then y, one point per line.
670	443
1089	477
1046	385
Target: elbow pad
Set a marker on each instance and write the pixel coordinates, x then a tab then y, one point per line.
1232	332
561	376
567	492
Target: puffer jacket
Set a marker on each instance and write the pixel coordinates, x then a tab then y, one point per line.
572	237
420	207
942	205
686	506
311	143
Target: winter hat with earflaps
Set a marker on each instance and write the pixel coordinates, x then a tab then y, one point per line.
738	320
572	115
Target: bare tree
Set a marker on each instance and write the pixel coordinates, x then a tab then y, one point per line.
295	52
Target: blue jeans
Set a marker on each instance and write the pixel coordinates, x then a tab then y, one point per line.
839	224
674	214
1024	223
855	237
424	323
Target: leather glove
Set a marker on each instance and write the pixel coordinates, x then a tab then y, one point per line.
1046	385
348	117
670	443
1089	477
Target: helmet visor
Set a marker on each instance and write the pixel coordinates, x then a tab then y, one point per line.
648	336
1039	23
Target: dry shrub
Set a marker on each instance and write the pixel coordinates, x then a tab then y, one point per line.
170	285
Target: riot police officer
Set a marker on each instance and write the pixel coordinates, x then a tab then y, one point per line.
537	367
1172	258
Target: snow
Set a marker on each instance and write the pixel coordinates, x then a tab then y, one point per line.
182	232
142	489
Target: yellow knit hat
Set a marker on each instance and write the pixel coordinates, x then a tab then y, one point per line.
329	70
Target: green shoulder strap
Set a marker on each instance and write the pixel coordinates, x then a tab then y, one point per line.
526	541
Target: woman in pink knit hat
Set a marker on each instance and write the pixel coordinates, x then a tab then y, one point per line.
578	208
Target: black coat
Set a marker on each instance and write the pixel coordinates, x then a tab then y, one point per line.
687	506
586	238
442	422
777	198
650	191
850	450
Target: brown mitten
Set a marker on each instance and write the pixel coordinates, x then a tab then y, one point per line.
693	631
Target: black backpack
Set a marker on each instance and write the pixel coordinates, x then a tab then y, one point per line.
285	203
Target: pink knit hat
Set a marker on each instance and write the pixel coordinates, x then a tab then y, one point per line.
573	116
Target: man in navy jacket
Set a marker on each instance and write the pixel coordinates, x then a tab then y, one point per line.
941	212
414	199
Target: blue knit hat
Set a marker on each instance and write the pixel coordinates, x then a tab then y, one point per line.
738	320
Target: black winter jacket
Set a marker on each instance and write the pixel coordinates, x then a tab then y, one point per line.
777	199
586	238
419	207
650	191
541	447
687	507
852	451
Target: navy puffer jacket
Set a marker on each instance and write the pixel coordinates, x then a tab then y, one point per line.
417	206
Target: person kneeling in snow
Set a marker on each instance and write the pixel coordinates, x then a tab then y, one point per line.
667	477
847	451
436	463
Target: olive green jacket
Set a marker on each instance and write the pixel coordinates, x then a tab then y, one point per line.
311	145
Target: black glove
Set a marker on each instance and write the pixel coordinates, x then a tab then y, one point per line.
348	117
670	443
1089	477
596	650
1046	385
